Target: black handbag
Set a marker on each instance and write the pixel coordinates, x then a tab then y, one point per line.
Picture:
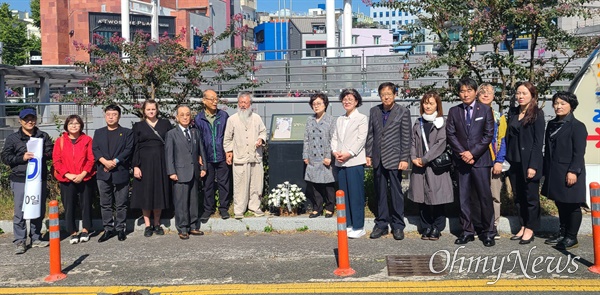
443	161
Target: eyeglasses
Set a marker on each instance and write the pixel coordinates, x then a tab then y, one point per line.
317	104
348	99
212	98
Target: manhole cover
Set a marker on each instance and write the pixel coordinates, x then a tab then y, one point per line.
414	265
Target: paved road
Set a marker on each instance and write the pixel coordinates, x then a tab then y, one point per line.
291	261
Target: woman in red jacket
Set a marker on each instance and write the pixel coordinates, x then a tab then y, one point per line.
74	169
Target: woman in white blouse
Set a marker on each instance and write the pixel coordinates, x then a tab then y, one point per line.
348	151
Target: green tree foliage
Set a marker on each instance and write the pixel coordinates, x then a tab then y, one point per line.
13	34
460	28
165	71
35	13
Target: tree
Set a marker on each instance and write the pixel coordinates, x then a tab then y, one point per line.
13	35
165	70
460	28
35	13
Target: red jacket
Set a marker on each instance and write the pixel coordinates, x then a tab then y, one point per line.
73	158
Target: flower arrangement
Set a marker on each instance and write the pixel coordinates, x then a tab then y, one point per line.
288	195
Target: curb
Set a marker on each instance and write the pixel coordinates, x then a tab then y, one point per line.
507	225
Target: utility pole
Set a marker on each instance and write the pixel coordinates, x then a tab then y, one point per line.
154	25
125	34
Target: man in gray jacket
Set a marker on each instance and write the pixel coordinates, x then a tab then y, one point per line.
388	152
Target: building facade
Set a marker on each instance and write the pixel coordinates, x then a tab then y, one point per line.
66	21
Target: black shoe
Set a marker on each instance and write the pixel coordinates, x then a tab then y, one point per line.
224	214
314	215
106	236
426	234
525	242
463	239
328	214
554	239
158	230
205	216
398	234
489	242
148	231
122	235
435	234
515	238
378	232
566	244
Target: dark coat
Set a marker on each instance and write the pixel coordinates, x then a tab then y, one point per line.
476	140
531	138
15	146
123	152
564	153
212	135
390	144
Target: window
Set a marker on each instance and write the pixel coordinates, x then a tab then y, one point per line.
319	28
260	36
406	22
354	39
387	14
376	39
374	14
381	14
394	13
393	22
387	23
406	13
316	53
381	23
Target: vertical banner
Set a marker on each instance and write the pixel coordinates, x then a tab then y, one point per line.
33	180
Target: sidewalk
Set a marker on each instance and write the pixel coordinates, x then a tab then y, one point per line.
508	225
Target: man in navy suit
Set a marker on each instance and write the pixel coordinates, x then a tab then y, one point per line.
469	130
113	147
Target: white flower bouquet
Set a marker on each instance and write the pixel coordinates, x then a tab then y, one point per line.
286	195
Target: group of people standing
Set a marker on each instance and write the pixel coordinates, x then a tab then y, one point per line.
170	165
481	143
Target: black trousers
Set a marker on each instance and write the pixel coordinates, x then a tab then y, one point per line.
72	193
389	213
527	196
569	215
217	174
185	201
432	216
119	194
319	194
477	178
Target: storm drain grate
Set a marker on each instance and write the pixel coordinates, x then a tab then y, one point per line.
414	265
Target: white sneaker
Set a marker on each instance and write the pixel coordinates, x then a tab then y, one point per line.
74	239
357	233
348	230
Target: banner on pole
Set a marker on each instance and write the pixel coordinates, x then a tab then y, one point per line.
33	182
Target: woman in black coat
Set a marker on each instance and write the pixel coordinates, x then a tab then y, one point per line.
564	168
524	140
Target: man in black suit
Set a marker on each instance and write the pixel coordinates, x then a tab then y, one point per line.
184	154
469	130
388	151
113	147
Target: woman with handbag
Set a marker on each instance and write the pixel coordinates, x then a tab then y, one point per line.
524	141
151	186
430	183
74	169
564	169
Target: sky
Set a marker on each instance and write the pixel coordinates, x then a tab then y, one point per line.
300	6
